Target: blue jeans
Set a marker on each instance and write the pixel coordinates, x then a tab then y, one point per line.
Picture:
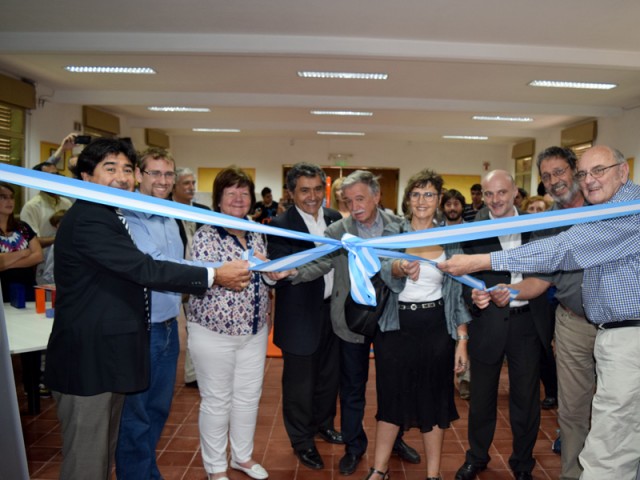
145	413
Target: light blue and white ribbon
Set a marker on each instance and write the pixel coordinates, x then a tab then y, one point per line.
363	253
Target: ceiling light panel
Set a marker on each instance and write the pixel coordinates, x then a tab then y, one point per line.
354	134
344	75
116	70
582	85
217	130
465	137
343	113
498	118
179	109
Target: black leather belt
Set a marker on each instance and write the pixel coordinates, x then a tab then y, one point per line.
166	323
519	310
624	323
420	306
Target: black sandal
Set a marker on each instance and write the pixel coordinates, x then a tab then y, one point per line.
373	471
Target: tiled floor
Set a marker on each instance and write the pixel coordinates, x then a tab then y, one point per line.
179	452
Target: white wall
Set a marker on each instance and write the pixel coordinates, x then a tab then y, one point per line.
267	155
52	122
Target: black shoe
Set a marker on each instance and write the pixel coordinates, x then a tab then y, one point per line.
405	452
349	463
523	476
548	403
469	471
330	435
310	458
193	384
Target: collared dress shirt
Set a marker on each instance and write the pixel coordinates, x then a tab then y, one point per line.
609	253
158	237
317	227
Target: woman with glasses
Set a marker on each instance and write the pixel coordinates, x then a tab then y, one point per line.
416	353
20	249
228	336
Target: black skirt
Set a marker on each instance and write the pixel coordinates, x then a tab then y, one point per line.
414	372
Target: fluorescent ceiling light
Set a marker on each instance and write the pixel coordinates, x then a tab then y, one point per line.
129	70
344	75
465	137
217	130
343	113
498	118
356	134
560	84
179	109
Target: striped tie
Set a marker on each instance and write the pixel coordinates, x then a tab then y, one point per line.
147	297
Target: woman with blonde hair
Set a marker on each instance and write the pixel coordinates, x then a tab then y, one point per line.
337	203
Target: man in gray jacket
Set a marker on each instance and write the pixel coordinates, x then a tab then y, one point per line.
361	192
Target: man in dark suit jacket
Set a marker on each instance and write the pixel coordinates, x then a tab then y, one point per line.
183	192
494	333
302	327
99	345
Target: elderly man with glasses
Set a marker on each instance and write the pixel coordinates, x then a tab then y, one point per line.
609	253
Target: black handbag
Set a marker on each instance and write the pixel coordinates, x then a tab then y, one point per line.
363	319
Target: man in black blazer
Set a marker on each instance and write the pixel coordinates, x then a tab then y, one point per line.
183	192
494	333
99	345
302	327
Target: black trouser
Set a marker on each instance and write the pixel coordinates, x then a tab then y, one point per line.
523	355
310	388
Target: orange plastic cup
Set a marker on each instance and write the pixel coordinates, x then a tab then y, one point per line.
41	300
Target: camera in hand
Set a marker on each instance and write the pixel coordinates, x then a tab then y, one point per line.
82	139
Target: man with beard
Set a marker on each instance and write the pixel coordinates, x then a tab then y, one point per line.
574	335
452	205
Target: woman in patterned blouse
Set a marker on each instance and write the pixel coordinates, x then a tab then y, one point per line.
20	249
228	336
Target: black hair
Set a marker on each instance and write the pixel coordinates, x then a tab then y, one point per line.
101	148
304	169
453	193
559	152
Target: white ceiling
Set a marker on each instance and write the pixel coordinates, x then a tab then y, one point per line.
447	60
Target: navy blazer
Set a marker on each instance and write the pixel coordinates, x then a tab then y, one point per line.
299	313
100	337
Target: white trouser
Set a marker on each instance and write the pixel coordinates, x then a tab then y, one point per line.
230	370
612	448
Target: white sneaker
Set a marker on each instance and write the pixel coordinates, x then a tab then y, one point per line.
257	471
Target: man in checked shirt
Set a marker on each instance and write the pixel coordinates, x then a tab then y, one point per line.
609	253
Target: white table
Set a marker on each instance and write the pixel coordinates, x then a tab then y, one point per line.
28	334
27	330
